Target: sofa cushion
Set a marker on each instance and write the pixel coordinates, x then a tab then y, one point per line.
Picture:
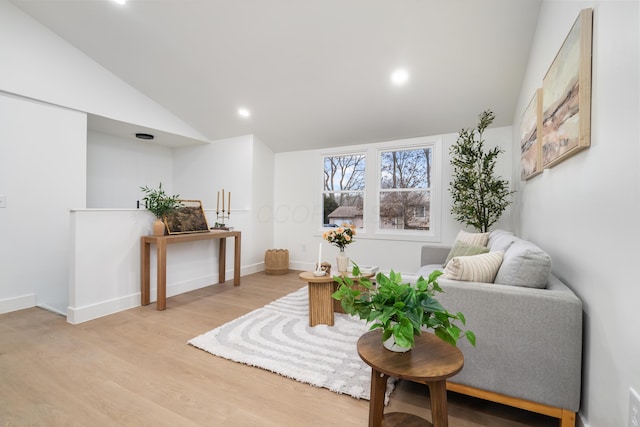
524	264
477	239
501	240
461	248
475	268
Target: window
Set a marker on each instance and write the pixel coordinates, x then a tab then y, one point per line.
396	198
343	193
405	189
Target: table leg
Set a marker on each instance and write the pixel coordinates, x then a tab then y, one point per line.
145	267
376	398
320	304
222	261
161	255
438	397
236	261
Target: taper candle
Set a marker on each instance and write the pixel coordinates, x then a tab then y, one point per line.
318	268
229	204
223	200
218	203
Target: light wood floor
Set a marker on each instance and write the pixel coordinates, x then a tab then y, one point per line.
135	368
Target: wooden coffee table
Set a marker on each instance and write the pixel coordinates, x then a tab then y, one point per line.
430	362
321	305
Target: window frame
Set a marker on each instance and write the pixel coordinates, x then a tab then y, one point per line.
371	208
367	157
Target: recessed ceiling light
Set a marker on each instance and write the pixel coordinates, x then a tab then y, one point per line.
399	77
120	1
243	112
146	136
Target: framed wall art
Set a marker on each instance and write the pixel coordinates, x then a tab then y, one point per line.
530	130
566	95
190	218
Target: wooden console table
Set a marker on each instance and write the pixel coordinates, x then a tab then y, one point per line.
161	243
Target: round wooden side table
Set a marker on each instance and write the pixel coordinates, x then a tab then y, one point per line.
321	304
430	362
320	301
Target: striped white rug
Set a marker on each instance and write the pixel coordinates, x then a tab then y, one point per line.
278	338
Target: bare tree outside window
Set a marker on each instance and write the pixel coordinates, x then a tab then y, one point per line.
405	189
343	192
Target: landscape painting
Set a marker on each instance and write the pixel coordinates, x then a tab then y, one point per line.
530	129
566	95
190	218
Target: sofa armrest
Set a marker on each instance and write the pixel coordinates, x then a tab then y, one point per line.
529	341
434	254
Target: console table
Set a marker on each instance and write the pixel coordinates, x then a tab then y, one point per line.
161	243
430	362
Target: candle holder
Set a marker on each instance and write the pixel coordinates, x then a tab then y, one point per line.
220	215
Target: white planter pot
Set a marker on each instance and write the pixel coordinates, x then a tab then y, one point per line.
390	344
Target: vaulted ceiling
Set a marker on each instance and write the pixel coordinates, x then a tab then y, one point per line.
313	73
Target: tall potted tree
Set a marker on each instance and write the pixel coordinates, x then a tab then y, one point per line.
479	197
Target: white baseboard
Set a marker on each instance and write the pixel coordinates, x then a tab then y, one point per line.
77	315
22	302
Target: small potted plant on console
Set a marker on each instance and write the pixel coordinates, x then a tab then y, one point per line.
159	204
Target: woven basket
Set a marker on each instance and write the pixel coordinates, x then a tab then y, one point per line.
276	261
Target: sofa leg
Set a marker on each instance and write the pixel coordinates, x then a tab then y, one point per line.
568	419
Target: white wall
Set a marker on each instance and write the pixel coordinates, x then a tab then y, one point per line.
262	201
105	277
42	174
44	153
38	64
118	167
242	166
297	210
584	211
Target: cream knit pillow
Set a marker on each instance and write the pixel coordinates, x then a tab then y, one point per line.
476	239
475	268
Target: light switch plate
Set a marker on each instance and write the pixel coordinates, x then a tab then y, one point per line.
3	201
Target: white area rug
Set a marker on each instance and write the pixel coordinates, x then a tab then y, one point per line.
278	338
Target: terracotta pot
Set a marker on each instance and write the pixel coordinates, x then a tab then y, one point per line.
158	227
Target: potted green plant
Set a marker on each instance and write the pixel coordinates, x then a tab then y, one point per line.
159	204
401	310
479	197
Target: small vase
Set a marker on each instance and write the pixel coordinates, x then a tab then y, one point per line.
158	227
342	261
390	344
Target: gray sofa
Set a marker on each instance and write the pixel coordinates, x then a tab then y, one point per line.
528	326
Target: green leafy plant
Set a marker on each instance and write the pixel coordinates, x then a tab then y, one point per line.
158	202
479	197
400	309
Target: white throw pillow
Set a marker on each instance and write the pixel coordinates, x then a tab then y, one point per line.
475	268
525	264
476	239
